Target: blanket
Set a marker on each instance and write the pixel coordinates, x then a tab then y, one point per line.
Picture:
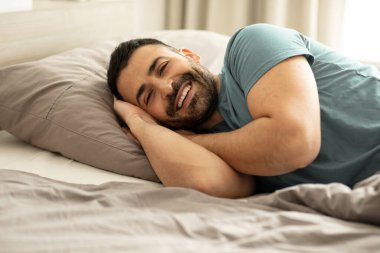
39	214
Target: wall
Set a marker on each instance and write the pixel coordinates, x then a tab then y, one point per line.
54	26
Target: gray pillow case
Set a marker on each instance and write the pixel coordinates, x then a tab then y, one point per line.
62	103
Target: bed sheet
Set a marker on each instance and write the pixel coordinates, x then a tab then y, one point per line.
43	215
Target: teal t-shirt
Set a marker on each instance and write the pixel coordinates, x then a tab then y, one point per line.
349	94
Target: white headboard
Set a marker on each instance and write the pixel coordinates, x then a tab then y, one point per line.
53	26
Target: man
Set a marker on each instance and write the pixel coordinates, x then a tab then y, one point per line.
284	110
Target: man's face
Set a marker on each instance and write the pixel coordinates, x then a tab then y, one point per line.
173	88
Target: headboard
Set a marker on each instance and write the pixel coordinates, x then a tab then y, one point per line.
53	26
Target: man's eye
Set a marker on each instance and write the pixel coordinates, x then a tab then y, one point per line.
148	97
163	68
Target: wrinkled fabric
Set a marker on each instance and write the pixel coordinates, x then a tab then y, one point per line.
43	215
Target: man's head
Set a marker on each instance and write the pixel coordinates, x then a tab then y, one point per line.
169	84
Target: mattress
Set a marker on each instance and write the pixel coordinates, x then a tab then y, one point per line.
18	155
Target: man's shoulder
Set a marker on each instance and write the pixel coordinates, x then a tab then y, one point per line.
260	31
261	39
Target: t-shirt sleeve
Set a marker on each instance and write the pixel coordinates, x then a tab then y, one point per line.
255	49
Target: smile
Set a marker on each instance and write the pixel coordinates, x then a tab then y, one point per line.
182	95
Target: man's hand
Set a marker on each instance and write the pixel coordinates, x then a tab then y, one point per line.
178	161
131	113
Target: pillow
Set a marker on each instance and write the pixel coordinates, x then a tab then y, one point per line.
62	103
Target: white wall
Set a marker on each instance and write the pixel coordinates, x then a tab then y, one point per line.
54	26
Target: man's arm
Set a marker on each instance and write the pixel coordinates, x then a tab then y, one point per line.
178	161
285	133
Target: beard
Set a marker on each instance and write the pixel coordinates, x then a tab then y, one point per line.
203	103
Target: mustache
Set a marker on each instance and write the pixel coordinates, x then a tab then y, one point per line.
176	85
183	79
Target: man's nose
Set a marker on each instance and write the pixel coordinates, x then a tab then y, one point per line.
165	88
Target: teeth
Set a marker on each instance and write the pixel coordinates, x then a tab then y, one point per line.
183	96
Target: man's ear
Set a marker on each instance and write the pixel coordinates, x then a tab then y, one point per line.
190	54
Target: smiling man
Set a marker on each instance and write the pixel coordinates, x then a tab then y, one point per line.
283	111
185	95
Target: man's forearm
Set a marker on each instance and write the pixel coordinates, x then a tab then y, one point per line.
181	162
178	161
262	147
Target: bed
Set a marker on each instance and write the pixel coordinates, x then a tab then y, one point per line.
49	203
72	181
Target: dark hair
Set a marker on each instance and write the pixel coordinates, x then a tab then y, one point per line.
120	57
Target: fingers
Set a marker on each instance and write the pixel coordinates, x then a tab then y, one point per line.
129	112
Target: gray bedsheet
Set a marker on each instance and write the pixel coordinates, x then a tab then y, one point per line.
42	215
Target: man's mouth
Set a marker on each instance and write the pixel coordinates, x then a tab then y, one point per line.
182	94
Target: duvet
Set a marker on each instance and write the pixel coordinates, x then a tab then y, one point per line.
39	214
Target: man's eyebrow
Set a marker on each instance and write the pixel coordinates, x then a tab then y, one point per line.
153	65
139	93
142	88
